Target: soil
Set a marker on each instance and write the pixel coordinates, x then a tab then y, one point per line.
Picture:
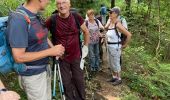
101	89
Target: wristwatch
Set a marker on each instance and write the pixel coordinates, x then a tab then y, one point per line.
3	90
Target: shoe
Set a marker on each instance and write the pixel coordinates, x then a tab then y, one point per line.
117	82
112	80
93	69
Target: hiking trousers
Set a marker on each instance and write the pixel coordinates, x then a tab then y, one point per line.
37	87
73	80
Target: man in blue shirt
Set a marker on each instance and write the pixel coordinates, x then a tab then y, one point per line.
103	11
27	36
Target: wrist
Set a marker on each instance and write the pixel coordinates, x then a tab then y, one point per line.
3	90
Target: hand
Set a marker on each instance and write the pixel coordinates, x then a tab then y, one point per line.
57	50
9	95
124	46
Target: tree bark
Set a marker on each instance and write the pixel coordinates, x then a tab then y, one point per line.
112	3
157	50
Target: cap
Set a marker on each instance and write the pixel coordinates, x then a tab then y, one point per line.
115	10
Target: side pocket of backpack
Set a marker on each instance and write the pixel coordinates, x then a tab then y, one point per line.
5	63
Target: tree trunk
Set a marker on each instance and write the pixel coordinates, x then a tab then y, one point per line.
157	50
112	3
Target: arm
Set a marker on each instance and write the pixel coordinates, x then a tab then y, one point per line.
85	34
124	31
100	25
107	24
8	95
21	56
50	44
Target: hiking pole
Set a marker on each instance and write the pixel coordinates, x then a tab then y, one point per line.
54	81
60	81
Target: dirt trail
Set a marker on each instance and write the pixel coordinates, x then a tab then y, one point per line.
105	90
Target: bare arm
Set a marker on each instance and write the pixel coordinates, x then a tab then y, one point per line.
50	43
124	31
107	24
85	34
8	95
21	56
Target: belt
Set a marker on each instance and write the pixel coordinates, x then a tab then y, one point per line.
113	42
36	67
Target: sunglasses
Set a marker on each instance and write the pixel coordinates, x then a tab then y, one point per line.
110	12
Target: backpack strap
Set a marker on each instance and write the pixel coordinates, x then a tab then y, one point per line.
117	33
53	24
86	22
97	22
78	26
26	16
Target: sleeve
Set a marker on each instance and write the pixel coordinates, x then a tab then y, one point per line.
17	31
81	20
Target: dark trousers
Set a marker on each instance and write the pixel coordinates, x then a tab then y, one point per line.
73	80
100	48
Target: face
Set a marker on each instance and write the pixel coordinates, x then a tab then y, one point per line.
91	16
112	15
63	6
44	4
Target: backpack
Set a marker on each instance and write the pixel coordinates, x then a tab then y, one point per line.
122	36
7	63
103	11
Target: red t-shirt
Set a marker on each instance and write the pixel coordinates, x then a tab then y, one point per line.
67	34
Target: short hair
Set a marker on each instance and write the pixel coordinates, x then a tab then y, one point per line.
66	0
90	12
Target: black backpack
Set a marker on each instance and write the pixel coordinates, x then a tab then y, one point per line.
122	36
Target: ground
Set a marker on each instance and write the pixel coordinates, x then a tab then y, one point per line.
100	89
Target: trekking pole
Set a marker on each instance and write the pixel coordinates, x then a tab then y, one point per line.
60	81
54	82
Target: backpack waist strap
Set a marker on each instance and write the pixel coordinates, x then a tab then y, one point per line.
35	67
113	42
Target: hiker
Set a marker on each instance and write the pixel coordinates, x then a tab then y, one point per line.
7	94
30	46
67	33
124	23
94	26
103	12
115	29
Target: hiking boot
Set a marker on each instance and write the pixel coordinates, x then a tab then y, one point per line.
112	80
117	82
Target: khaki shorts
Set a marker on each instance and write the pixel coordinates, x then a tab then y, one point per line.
37	87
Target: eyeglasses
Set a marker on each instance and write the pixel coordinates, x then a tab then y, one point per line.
62	3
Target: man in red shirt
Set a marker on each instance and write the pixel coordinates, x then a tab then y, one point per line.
67	34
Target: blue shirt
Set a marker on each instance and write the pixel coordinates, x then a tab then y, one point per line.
34	39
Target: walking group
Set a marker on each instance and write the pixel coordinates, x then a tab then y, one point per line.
27	36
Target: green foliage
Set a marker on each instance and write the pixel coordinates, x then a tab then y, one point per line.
7	5
130	97
144	75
